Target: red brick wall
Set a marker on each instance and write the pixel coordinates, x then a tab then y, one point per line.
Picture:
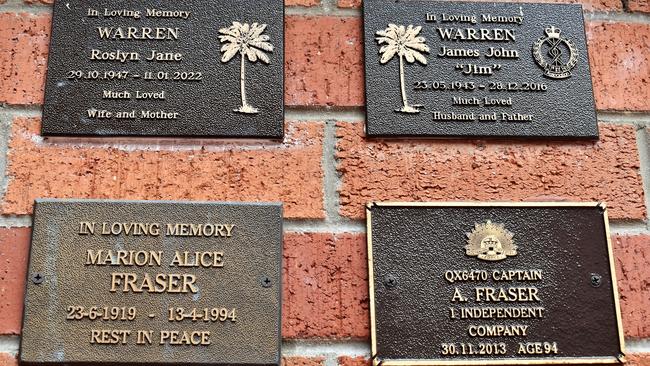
325	170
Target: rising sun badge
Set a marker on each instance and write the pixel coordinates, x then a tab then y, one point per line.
490	242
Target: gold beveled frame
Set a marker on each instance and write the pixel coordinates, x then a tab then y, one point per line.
528	361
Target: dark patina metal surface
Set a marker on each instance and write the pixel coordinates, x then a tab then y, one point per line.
565	109
59	278
205	107
414	247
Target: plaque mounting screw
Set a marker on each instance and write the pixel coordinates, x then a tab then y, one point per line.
596	280
266	281
390	281
37	278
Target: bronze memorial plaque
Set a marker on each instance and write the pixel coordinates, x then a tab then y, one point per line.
458	69
166	68
135	282
492	284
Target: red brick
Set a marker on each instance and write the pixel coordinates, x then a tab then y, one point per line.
24	40
302	2
325	286
301	361
633	275
349	3
323	61
639	359
620	65
288	171
353	361
639	5
435	170
8	360
587	4
14	251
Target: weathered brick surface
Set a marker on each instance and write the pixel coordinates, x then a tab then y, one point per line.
639	5
8	360
301	2
633	274
323	61
14	251
588	5
24	40
349	3
639	359
301	361
326	286
353	361
620	65
288	171
432	170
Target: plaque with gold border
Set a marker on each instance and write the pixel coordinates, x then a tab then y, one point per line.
424	260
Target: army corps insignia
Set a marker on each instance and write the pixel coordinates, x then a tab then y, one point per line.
490	242
556	63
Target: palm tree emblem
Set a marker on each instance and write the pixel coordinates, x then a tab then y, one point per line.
404	42
249	42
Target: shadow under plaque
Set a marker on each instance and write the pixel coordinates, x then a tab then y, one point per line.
492	284
153	282
150	68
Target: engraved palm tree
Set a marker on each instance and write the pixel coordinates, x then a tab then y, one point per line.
404	42
249	42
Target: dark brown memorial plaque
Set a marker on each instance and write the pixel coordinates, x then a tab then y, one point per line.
134	282
166	68
492	284
458	69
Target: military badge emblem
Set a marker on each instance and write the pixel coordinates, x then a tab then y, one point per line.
555	54
490	242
